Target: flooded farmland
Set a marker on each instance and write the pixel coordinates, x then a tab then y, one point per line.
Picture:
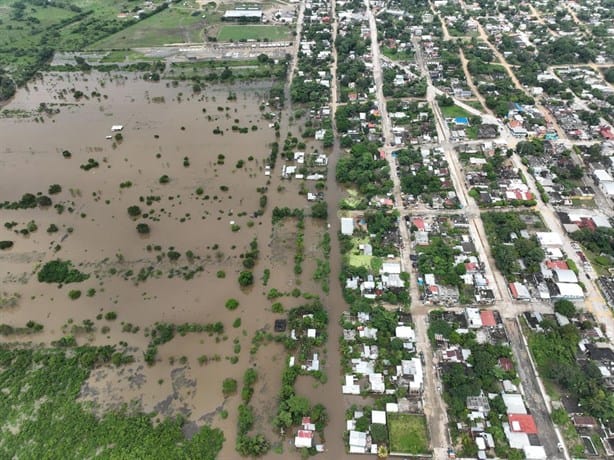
194	165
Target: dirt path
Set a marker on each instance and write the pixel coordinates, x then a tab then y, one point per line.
471	84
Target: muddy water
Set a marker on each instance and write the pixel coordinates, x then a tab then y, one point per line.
100	238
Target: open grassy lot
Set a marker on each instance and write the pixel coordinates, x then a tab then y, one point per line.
252	32
172	25
454	111
408	433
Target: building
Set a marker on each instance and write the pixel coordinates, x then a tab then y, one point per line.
243	15
347	226
549	239
569	291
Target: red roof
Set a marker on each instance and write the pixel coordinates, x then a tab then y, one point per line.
304	434
434	289
513	290
557	264
606	132
522	423
419	223
506	364
488	318
306	421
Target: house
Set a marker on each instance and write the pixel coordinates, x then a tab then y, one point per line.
514	403
411	370
304	438
347	226
488	318
350	387
522	423
405	333
116	128
534	453
519	291
564	276
583	421
506	364
549	239
474	321
378	416
569	291
358	442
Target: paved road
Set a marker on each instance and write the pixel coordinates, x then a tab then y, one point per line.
532	392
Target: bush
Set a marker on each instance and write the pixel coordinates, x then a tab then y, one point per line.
232	304
229	386
134	211
221	274
565	308
52	228
54	189
60	271
246	278
143	229
110	316
320	210
6	244
74	294
164	179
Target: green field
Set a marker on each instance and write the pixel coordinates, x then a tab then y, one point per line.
408	434
239	33
172	25
454	111
30	32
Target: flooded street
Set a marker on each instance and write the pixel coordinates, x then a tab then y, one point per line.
204	210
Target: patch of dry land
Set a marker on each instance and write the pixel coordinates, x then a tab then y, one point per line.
160	218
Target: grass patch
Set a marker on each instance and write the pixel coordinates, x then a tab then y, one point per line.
454	111
172	25
124	56
408	434
474	104
239	33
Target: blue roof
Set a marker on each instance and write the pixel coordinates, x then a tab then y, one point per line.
518	107
461	121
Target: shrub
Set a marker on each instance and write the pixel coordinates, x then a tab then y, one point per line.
143	229
246	278
229	386
54	189
74	294
60	271
164	179
134	211
91	292
52	228
221	274
236	323
6	244
232	304
110	316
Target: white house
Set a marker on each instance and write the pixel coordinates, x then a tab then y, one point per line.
347	226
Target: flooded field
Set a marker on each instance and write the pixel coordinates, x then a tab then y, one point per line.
199	193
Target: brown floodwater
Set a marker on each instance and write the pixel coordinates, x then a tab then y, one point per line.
162	125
